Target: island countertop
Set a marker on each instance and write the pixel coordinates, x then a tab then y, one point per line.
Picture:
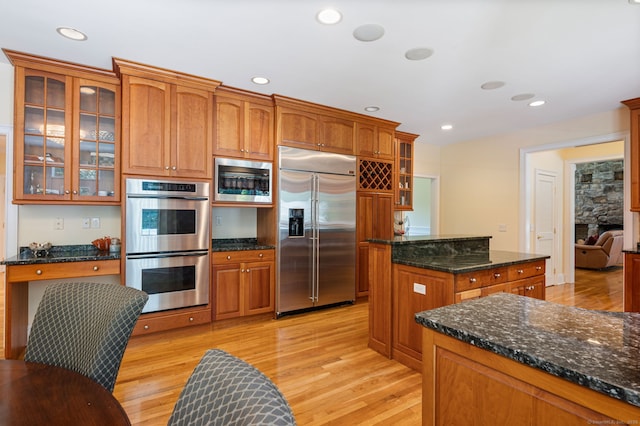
595	349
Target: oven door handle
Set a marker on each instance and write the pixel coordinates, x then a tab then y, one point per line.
167	197
165	255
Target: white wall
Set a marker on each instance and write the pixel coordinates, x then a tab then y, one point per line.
6	94
480	178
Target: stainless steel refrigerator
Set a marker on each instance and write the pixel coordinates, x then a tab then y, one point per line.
317	230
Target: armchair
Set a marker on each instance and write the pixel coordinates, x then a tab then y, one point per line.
606	252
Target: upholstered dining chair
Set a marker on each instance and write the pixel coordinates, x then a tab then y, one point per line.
225	390
85	327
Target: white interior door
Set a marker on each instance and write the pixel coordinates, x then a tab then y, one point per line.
545	222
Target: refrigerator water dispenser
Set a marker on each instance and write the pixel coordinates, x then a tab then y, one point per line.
296	222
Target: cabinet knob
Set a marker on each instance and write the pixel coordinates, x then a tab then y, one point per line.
248	270
496	275
166	167
174	168
39	272
520	271
66	192
146	327
472	280
538	268
228	257
242	150
96	267
190	319
74	192
260	255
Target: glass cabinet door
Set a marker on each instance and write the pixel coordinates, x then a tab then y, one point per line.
46	132
95	166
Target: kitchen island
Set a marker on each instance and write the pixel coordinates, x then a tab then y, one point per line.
507	359
413	274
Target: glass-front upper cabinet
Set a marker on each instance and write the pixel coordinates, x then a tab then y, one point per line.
46	134
95	166
66	133
404	170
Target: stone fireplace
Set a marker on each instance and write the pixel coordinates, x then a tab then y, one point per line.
599	194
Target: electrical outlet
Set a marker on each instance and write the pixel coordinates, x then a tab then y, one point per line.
86	223
95	222
218	220
58	224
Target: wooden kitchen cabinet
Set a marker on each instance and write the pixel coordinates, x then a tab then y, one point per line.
374	141
380	298
243	283
374	220
244	125
631	282
415	290
480	387
634	157
525	279
67	132
404	163
17	293
167	122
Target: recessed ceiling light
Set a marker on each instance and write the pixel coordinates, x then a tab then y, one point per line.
446	126
71	33
634	1
260	80
522	97
418	53
371	108
536	103
329	16
368	32
491	85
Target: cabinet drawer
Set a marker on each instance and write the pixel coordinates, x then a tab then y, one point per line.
51	271
222	257
526	270
479	279
150	323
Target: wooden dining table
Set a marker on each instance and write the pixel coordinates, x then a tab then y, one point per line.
39	394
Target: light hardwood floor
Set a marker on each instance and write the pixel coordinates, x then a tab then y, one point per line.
319	360
600	290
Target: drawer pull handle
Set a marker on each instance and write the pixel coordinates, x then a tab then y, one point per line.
538	268
496	275
472	280
520	271
39	272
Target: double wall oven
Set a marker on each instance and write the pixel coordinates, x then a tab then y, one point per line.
167	242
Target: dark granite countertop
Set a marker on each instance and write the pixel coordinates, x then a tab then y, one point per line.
238	244
420	239
59	254
469	262
595	349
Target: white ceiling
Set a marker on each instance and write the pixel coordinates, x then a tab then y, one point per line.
582	57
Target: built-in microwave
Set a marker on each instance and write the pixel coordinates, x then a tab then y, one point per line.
242	181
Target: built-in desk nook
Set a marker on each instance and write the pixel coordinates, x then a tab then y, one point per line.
59	263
